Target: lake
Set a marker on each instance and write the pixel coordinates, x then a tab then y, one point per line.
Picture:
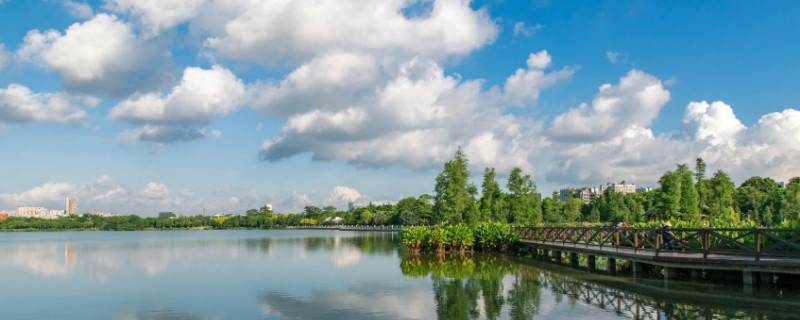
316	274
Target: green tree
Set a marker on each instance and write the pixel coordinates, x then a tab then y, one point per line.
408	211
721	199
701	184
312	211
689	203
492	203
522	201
552	211
572	210
452	196
668	202
791	201
759	199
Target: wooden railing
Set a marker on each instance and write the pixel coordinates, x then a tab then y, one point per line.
755	242
361	227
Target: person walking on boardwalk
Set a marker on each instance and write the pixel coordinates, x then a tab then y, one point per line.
667	236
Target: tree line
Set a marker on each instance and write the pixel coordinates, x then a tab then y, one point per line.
685	197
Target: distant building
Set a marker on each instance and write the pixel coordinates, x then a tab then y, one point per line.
350	206
72	205
31	212
587	194
166	214
623	187
644	189
269	207
55	213
567	193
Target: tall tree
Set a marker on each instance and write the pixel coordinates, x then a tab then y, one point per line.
452	198
668	201
552	211
791	201
721	199
701	184
523	201
572	210
759	199
492	198
690	208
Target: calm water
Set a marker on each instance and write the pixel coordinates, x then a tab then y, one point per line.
324	275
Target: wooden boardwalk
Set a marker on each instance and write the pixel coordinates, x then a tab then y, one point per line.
757	250
377	228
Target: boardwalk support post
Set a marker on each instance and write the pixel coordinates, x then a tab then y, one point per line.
747	278
612	265
573	259
591	262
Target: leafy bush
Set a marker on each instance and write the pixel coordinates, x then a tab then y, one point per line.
460	237
438	239
414	238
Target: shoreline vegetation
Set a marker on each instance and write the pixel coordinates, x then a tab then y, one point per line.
685	198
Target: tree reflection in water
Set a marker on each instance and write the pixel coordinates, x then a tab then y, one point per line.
473	287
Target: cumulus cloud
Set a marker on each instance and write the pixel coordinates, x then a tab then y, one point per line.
18	104
157	15
273	31
415	101
100	56
202	95
634	102
343	195
713	122
611	139
524	86
767	148
50	194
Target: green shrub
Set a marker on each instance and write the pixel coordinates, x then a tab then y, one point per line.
414	238
438	239
460	237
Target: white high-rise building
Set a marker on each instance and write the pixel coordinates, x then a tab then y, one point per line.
72	205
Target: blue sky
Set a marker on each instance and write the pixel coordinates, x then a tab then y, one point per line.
146	106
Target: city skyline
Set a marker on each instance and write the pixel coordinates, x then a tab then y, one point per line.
137	109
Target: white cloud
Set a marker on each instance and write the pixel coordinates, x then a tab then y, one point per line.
713	122
202	95
407	104
295	202
155	190
525	30
768	148
634	102
524	86
101	55
343	194
157	15
18	104
50	194
334	79
272	31
81	10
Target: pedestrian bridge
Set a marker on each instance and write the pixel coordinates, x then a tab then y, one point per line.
756	250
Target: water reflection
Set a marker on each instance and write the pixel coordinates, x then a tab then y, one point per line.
325	275
473	288
64	254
